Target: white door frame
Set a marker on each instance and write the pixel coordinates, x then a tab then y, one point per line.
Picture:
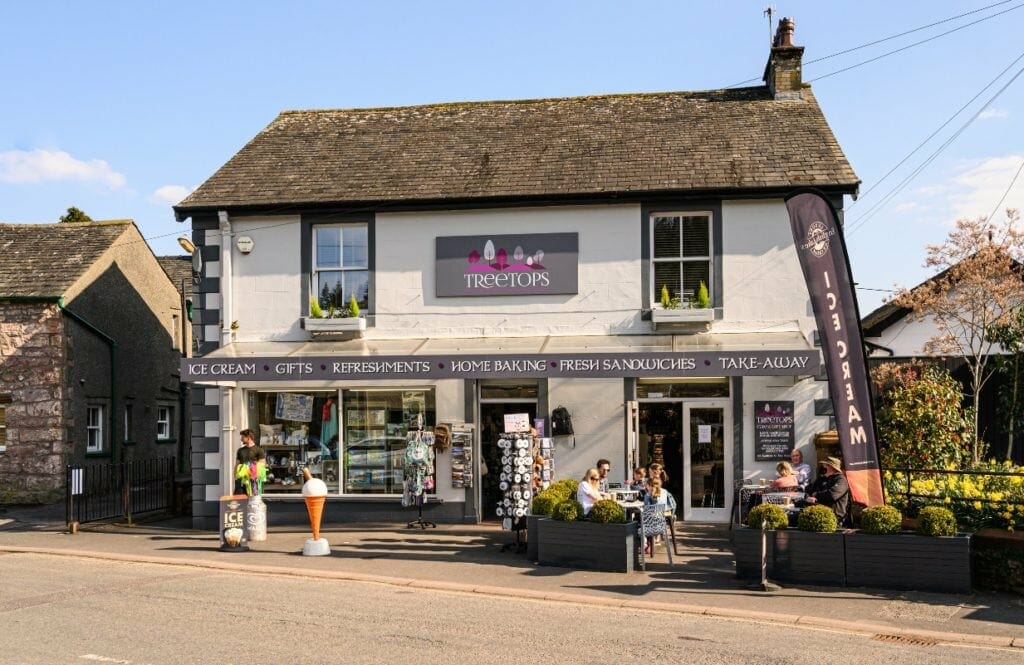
708	514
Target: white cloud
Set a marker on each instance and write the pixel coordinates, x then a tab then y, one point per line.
907	206
988	114
980	185
20	166
170	194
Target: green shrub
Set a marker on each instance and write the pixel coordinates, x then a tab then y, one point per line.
819	519
666	299
703	299
606	511
566	488
353	306
881	520
314	308
936	521
569	510
545	502
777	518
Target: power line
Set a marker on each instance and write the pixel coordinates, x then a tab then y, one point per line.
933	134
863	219
901	34
910	46
1006	193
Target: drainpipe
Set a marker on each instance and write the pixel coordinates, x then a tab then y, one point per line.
225	278
112	345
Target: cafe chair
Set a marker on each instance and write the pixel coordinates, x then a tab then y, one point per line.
653	523
670	517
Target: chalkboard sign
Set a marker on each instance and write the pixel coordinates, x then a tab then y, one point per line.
773	430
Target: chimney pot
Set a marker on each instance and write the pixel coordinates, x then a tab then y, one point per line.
784	33
783	74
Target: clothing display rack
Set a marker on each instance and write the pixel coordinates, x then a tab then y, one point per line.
419	455
516	485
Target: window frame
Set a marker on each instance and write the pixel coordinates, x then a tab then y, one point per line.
169	422
98	445
308	223
654	293
129	422
315	270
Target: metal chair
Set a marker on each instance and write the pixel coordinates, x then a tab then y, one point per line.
653	523
670	518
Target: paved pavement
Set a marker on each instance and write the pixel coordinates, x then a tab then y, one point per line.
470	559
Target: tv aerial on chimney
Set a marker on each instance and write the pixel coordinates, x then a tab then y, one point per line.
769	12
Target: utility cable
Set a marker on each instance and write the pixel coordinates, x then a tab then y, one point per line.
1006	193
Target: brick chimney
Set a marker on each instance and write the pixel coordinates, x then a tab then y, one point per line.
784	74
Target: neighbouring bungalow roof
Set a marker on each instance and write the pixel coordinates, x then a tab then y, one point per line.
179	269
672	142
45	260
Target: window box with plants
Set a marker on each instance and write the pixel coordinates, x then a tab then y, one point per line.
682	311
334	320
604	540
811	554
936	558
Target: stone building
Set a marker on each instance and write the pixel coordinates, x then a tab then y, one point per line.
91	334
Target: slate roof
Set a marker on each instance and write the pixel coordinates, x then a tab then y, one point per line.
179	269
738	139
45	260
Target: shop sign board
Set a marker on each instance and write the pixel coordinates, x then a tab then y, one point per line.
507	265
773	430
232	523
511	366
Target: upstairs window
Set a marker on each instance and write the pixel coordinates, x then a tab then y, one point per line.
341	265
164	417
129	421
94	429
681	256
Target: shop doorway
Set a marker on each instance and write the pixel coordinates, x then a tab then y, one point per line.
690	440
496	401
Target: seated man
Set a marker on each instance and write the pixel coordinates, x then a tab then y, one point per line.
831	489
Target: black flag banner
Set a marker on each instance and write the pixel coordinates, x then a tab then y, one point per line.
823	258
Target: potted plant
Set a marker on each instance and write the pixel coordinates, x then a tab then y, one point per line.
935	558
746	540
335	320
603	541
675	311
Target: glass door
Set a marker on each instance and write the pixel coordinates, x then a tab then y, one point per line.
707	461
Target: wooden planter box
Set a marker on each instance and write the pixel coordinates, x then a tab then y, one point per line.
682	316
793	556
587	545
909	561
352	324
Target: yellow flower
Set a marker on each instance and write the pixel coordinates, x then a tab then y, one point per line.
948	500
977	505
996	496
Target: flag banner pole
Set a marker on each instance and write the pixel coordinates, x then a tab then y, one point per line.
822	251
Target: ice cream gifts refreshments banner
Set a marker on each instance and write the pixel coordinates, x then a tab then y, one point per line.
773	430
822	251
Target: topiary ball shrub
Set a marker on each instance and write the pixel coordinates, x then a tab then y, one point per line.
567	488
777	518
545	502
819	519
606	511
569	510
881	520
936	521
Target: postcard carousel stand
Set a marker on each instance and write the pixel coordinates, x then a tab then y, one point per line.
516	485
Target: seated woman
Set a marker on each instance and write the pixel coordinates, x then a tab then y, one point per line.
656	495
787	479
588	494
639	483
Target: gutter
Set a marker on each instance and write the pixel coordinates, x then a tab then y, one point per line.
112	346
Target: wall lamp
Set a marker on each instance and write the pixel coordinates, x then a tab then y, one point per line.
197	259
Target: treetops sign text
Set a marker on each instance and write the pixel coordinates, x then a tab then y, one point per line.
529	264
598	365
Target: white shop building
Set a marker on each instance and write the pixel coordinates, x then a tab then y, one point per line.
510	257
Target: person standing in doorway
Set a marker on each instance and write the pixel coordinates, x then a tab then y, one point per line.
604	467
251	464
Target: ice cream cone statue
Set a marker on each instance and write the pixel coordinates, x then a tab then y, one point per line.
314	491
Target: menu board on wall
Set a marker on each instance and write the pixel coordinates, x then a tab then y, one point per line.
773	430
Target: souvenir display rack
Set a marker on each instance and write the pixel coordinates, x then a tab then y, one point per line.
516	481
462	456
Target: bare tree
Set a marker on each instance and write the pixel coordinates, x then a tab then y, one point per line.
979	286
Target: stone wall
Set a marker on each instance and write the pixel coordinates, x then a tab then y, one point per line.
32	376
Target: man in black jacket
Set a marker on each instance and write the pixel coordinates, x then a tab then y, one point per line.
831	489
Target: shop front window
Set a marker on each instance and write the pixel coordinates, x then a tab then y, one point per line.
376	429
297	430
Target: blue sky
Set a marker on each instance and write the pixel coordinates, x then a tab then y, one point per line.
121	108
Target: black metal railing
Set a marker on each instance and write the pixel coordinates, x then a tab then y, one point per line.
1008	486
121	490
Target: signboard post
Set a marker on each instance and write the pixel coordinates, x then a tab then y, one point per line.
773	430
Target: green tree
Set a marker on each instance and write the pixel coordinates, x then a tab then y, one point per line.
921	420
1010	336
74	215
